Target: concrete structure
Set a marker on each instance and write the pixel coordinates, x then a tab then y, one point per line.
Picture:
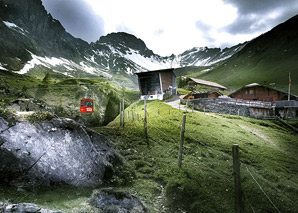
157	84
286	109
259	92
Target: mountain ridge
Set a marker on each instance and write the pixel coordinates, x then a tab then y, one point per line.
33	42
267	59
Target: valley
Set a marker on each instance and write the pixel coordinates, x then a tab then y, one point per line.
60	159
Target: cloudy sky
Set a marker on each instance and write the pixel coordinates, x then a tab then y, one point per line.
173	26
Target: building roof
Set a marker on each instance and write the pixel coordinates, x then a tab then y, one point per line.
259	85
205	92
207	83
163	70
252	85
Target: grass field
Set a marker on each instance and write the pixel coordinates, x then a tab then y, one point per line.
268	152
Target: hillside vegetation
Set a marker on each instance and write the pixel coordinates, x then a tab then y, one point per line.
205	183
63	96
267	59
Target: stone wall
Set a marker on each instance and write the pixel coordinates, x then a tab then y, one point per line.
231	107
223	108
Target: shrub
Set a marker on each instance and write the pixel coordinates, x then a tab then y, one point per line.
40	116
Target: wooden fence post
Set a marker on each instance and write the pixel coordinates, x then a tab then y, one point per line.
132	115
120	114
239	206
181	141
145	120
123	114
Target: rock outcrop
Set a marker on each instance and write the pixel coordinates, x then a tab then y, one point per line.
23	208
108	200
55	151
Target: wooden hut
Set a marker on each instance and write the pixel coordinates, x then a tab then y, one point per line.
259	92
203	94
155	85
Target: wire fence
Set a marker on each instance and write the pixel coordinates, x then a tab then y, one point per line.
190	134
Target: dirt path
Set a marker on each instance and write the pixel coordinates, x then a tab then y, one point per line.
175	102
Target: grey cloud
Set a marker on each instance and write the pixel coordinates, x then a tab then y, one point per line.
202	26
253	14
246	24
77	17
123	28
260	6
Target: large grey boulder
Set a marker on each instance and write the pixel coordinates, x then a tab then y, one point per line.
23	208
108	200
55	151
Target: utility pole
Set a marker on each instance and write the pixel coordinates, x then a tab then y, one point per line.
181	141
123	114
120	114
145	120
289	93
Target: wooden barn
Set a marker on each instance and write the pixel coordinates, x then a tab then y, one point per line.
202	83
202	94
257	92
154	85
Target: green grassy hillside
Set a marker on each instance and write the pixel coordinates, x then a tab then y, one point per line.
63	96
205	182
267	59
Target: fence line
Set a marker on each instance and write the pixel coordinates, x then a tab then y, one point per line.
222	175
246	198
200	162
203	144
262	189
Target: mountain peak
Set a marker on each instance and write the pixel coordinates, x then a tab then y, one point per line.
122	39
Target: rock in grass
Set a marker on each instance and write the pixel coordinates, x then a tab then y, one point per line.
53	151
108	200
23	208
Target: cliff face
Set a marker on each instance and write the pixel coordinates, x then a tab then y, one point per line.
55	151
25	26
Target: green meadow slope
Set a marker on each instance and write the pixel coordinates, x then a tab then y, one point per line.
63	96
205	183
267	59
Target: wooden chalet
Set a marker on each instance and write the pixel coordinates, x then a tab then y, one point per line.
202	94
257	92
154	85
204	83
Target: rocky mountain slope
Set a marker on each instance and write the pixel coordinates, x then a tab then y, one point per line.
33	42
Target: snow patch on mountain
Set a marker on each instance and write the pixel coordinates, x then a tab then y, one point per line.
148	63
1	67
57	63
15	27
